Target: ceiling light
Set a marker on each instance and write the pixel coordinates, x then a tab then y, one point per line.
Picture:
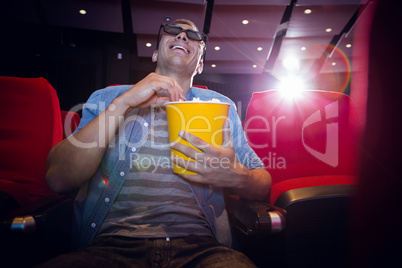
245	22
213	65
333	64
83	12
328	30
259	48
307	11
349	45
217	48
148	44
303	48
255	66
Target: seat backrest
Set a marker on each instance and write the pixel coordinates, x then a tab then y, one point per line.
70	121
312	134
30	125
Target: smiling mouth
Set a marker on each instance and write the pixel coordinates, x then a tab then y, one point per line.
180	47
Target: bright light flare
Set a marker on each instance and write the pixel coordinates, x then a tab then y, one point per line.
291	87
291	63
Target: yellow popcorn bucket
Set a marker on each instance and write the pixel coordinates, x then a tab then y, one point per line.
203	119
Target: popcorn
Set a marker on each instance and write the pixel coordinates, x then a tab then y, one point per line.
212	100
197	99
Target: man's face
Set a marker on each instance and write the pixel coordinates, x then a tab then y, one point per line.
179	50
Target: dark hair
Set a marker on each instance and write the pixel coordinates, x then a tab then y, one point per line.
185	21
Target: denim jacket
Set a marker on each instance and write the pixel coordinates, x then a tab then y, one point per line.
95	198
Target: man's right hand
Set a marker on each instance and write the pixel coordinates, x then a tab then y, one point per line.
153	89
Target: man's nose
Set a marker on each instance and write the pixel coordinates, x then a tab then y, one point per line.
182	36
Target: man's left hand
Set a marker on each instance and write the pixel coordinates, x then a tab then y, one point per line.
216	166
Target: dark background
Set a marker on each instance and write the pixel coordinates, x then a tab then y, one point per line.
77	62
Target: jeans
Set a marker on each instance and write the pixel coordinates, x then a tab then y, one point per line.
117	251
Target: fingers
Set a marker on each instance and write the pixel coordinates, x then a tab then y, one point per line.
187	150
167	87
153	89
227	135
209	170
201	157
202	145
200	164
187	164
196	142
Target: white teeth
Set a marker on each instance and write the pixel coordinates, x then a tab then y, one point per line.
180	47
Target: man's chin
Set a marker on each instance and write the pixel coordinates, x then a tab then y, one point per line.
181	65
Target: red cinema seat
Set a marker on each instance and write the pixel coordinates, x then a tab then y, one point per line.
70	121
30	125
309	144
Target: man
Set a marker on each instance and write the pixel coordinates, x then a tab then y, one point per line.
132	210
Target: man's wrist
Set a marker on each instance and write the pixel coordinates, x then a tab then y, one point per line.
246	176
118	105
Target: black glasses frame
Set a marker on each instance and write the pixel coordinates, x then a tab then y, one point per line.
204	36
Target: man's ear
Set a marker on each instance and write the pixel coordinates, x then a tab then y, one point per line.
200	67
155	56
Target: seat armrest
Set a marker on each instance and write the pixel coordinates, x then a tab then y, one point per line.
307	194
31	238
255	217
34	221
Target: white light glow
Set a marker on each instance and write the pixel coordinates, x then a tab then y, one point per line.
83	12
213	65
328	30
307	11
148	44
291	87
259	48
291	63
217	48
245	22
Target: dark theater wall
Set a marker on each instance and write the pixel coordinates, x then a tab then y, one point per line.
76	62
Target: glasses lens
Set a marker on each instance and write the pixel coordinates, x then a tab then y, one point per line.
171	29
194	35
